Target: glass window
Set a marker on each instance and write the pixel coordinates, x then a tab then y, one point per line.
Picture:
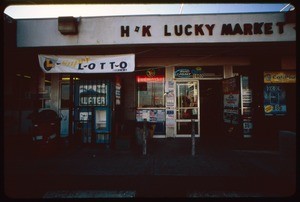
65	95
151	89
101	120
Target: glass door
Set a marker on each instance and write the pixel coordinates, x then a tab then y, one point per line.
187	108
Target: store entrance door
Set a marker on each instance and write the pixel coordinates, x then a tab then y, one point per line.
187	108
211	114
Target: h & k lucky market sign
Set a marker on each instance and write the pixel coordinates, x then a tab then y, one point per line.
157	29
87	64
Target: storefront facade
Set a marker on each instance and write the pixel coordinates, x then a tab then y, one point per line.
116	72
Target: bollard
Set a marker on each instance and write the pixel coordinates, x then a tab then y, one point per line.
144	137
193	137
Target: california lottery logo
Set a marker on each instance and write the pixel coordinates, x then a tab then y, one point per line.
48	64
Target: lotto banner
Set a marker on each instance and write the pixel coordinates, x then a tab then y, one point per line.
87	64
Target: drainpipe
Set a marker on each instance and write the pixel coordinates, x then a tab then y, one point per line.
144	138
71	107
193	137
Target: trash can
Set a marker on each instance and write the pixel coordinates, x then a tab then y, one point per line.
287	152
45	128
287	143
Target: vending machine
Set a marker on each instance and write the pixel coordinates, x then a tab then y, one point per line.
93	110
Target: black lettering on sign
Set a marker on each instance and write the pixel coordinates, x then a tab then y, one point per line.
187	31
226	29
237	29
248	29
268	28
92	66
258	28
199	30
146	30
178	30
210	28
102	65
166	33
123	65
280	27
124	31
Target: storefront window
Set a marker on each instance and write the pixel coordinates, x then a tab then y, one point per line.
65	95
151	89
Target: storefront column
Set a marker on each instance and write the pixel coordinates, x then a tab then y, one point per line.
71	105
41	83
54	102
170	130
228	71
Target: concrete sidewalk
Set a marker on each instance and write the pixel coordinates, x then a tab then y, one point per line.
168	163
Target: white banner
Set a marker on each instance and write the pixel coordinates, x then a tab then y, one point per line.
87	64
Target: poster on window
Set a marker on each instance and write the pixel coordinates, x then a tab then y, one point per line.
64	129
231	100
151	115
274	100
170	118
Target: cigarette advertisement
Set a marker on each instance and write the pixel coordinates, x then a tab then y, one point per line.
151	115
274	100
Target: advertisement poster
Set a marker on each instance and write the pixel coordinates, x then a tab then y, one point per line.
231	100
170	99
170	118
87	63
274	100
231	116
280	77
152	115
247	126
64	129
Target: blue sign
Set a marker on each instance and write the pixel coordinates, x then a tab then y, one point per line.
199	72
274	100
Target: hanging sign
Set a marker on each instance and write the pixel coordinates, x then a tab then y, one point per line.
93	95
198	72
87	64
280	77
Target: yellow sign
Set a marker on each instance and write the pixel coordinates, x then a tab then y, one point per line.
280	77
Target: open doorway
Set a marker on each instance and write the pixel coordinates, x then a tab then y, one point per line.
211	103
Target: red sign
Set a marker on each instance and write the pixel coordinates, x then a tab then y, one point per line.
145	79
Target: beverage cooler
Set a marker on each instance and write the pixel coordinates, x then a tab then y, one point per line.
93	110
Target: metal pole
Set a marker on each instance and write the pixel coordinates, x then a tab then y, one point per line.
144	138
193	137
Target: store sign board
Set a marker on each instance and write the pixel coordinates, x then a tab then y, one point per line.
87	64
93	95
280	77
146	79
198	72
157	29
